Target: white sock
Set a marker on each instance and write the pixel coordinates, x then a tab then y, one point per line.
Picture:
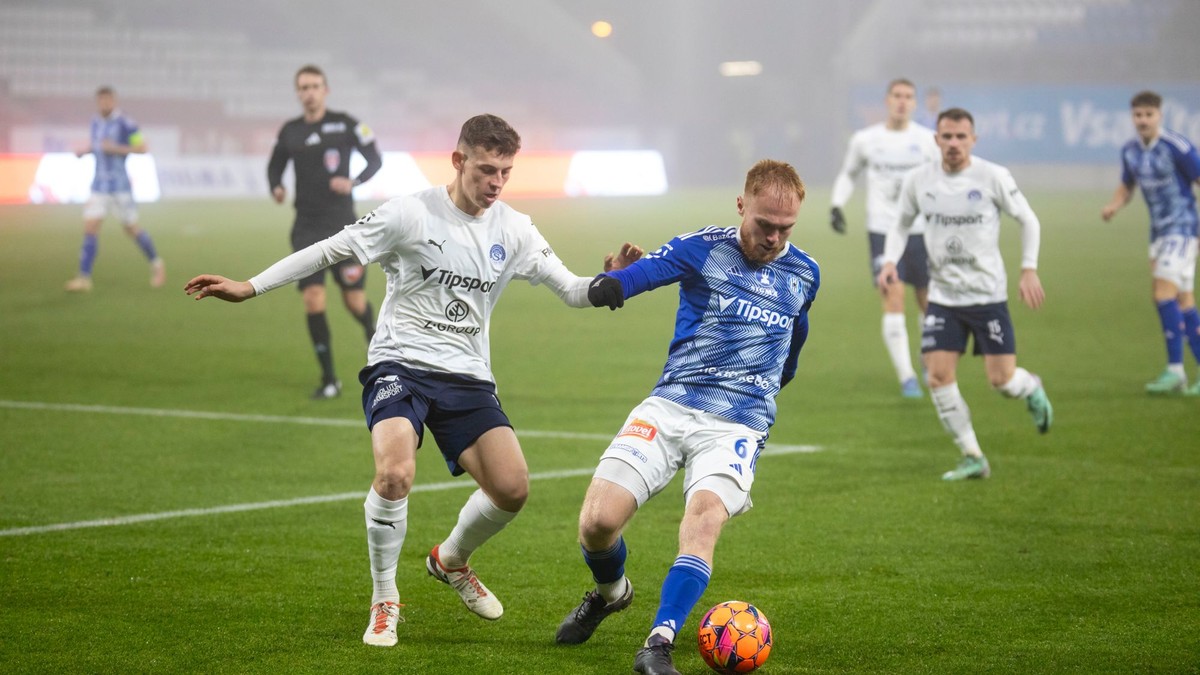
1177	368
1022	385
612	592
952	410
660	630
387	523
895	338
478	521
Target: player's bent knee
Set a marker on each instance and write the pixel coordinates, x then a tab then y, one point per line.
717	498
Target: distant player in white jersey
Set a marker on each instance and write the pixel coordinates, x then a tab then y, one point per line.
448	253
888	151
744	297
113	137
1167	167
960	199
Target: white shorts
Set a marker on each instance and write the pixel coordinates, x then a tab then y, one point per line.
1173	259
120	203
660	437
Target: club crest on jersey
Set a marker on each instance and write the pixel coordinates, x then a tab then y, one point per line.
640	428
974	195
497	253
333	157
794	284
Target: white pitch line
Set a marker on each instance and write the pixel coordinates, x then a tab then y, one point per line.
318	499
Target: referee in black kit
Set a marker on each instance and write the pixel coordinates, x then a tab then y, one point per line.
319	144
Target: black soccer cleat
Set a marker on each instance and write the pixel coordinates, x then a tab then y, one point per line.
584	619
655	658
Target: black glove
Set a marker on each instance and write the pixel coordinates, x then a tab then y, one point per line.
606	291
837	221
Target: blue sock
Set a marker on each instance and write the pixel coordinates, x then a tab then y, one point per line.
147	244
1172	325
87	254
1191	326
607	566
681	590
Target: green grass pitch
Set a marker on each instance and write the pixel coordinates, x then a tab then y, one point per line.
1081	554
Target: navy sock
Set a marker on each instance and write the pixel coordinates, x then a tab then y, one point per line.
1191	327
318	330
1172	325
147	245
607	566
87	254
681	590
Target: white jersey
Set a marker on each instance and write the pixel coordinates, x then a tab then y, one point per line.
887	155
961	213
445	272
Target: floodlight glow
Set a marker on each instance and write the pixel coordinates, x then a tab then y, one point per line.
615	173
64	178
740	68
602	29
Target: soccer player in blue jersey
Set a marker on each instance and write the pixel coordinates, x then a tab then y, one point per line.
1166	166
113	137
744	296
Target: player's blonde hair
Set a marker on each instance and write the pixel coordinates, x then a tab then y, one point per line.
775	177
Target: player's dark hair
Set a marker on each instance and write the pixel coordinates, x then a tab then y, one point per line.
105	90
770	175
490	133
900	81
1146	99
310	69
956	115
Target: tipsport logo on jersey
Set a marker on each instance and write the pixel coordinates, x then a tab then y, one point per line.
753	313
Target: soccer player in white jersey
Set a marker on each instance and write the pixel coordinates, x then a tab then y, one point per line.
1166	166
960	199
888	151
448	253
113	137
744	297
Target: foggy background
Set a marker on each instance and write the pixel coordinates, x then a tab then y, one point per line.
215	77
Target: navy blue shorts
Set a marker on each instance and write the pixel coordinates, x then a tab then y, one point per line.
913	267
458	410
947	329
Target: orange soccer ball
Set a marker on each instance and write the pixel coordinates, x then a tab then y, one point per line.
735	637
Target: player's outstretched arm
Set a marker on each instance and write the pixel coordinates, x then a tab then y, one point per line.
219	287
630	253
1120	198
1030	287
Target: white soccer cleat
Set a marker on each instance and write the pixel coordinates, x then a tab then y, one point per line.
381	631
79	284
158	273
474	594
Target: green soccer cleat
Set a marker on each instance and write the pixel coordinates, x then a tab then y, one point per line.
1193	390
1166	383
969	467
1041	410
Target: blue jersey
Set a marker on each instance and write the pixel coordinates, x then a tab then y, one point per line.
739	327
111	176
1165	171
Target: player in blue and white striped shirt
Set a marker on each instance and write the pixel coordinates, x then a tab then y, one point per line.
744	296
113	137
1166	166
